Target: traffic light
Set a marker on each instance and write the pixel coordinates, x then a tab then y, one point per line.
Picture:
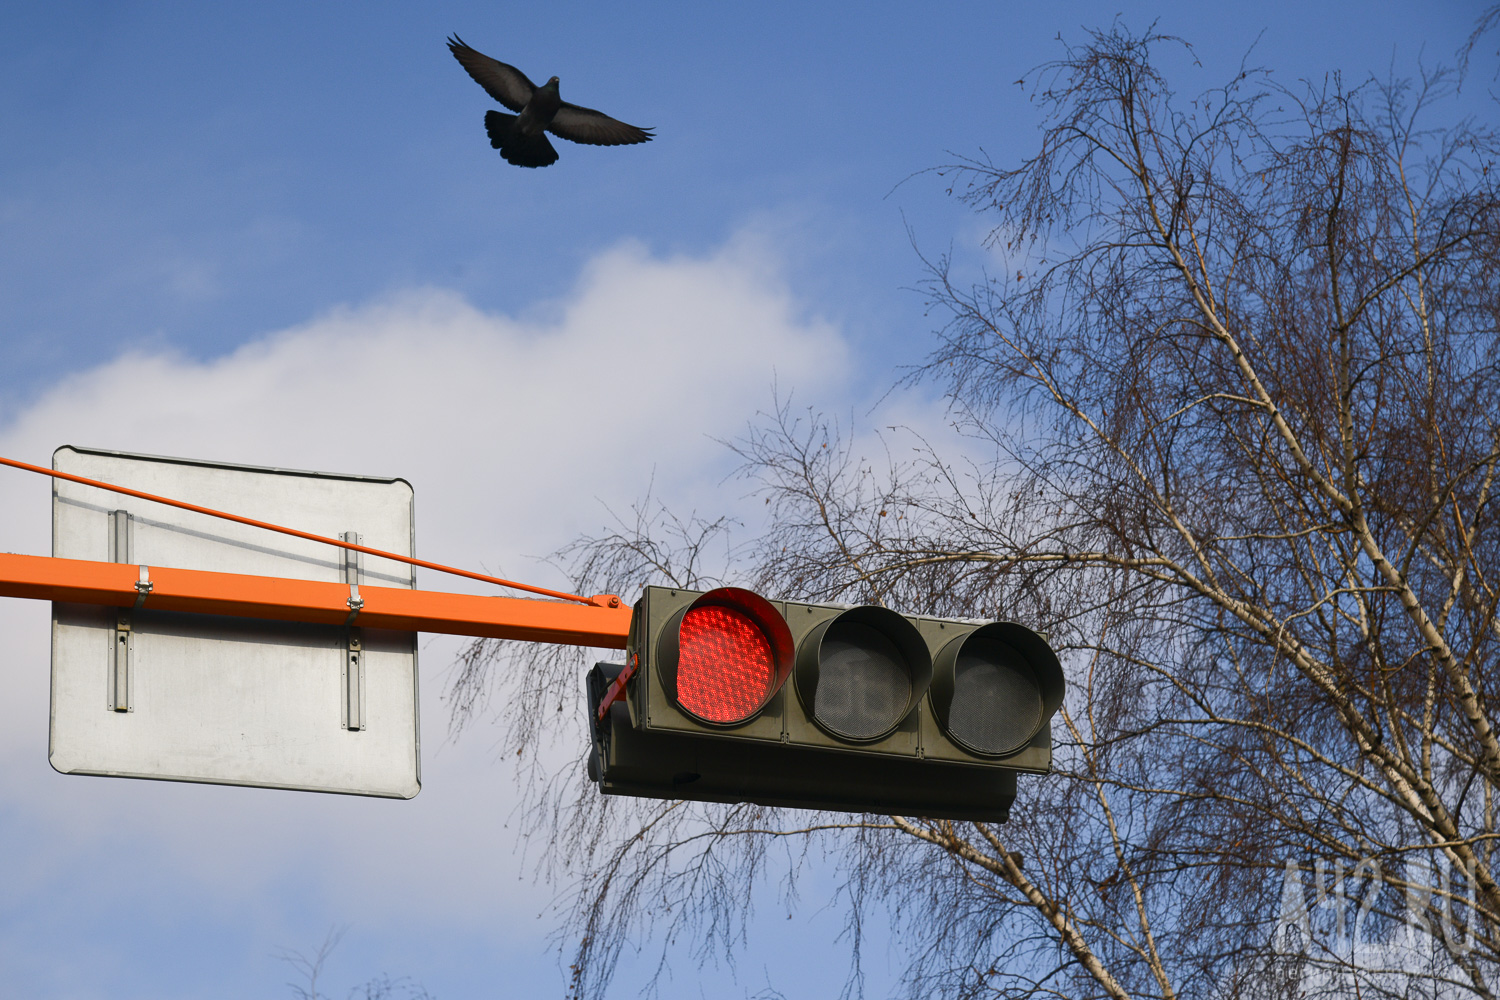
728	697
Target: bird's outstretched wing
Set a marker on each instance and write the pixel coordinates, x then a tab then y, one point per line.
504	83
594	127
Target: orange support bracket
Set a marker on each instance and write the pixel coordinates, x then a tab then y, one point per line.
128	585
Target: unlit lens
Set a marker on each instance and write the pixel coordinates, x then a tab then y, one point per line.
724	664
864	683
997	706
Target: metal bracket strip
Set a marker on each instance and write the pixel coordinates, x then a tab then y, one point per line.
122	550
119	674
616	689
353	675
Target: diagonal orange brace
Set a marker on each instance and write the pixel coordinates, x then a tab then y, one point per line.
81	581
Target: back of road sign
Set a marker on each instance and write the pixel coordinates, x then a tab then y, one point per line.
142	693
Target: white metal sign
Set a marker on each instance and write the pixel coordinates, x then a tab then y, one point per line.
143	693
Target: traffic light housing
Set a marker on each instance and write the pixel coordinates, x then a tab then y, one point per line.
728	697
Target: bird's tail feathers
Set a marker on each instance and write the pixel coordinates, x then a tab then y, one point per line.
500	126
522	150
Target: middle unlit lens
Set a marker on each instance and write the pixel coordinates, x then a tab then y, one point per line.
724	664
864	683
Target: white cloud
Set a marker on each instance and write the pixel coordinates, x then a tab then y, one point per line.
511	431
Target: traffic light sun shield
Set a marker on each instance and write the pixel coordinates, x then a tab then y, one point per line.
994	689
860	674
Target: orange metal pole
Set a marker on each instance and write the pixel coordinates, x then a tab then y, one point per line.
120	585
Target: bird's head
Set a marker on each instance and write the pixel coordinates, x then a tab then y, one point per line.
552	83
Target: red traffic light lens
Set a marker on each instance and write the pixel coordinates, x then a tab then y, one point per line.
725	665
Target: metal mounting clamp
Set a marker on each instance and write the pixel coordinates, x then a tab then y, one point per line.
143	586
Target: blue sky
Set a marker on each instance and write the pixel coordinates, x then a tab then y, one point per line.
212	214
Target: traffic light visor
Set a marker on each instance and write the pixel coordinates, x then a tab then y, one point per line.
725	656
861	673
993	689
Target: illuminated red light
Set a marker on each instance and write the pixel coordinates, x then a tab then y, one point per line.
725	666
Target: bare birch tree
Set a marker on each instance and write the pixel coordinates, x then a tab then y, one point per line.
1237	407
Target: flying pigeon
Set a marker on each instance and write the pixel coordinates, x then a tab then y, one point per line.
522	137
